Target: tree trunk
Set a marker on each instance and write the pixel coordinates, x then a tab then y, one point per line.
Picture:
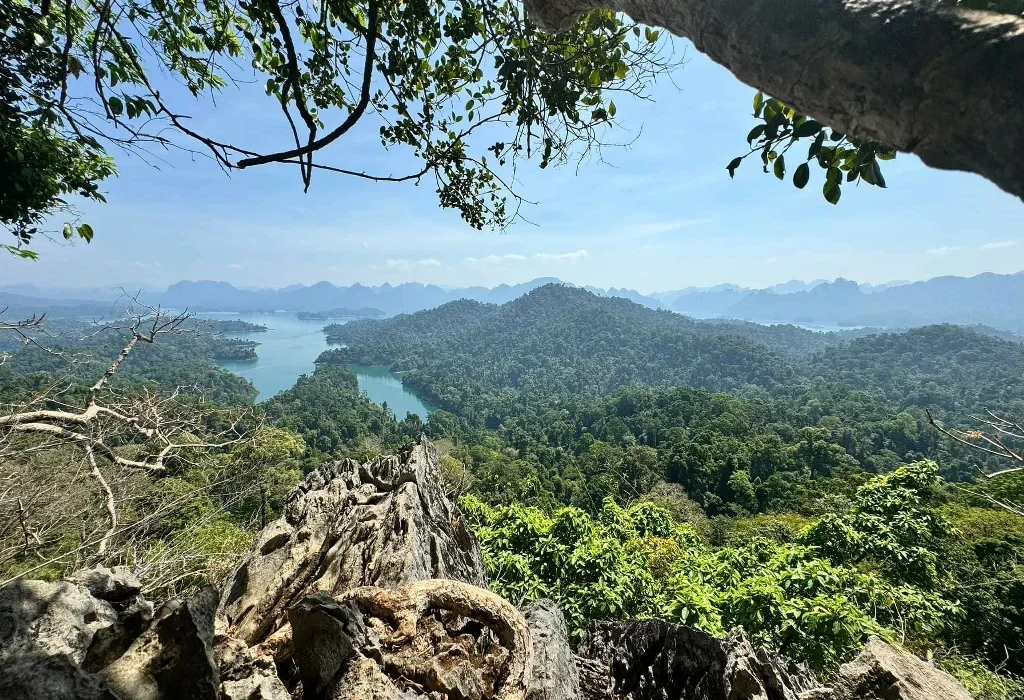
945	84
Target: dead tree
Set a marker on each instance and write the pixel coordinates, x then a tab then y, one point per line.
119	435
999	437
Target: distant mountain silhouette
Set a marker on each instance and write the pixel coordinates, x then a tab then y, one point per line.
324	296
992	300
986	299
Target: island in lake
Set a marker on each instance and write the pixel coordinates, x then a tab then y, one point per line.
340	314
233	325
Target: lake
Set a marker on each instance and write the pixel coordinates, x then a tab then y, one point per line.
289	350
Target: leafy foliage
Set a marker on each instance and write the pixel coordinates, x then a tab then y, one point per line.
638	562
841	157
468	89
40	163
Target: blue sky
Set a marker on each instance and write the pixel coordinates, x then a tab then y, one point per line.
659	215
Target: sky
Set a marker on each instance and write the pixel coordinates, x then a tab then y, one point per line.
661	214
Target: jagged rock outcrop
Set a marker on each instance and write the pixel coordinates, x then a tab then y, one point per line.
47	631
386	523
371	587
651	660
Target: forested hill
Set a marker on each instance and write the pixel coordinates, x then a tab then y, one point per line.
565	340
558	340
953	368
581	310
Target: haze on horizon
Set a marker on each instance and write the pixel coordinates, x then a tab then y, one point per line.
659	215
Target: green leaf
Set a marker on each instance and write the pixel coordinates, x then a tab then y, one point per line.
20	252
808	128
867	175
758	103
832	192
85	231
116	106
876	171
611	109
733	164
69	232
801	176
780	167
755	133
815	148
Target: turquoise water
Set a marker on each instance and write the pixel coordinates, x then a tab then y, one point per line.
289	350
382	385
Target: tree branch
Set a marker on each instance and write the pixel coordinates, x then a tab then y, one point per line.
353	117
929	80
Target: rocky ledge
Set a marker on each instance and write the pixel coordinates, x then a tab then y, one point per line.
371	587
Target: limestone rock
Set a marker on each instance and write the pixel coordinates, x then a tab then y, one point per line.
40	619
386	523
55	677
596	682
884	672
173	658
651	660
555	676
246	674
261	685
113	585
326	636
433	638
134	616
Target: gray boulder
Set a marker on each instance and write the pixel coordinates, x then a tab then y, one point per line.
173	658
54	677
326	636
884	672
113	585
555	676
40	619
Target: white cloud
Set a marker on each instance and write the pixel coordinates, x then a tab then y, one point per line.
572	257
943	250
495	259
403	265
999	244
655	228
234	266
146	265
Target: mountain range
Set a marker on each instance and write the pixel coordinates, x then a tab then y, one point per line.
986	299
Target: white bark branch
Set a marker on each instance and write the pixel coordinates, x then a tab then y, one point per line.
108	500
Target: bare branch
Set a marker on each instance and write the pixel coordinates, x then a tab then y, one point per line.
997	447
108	499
